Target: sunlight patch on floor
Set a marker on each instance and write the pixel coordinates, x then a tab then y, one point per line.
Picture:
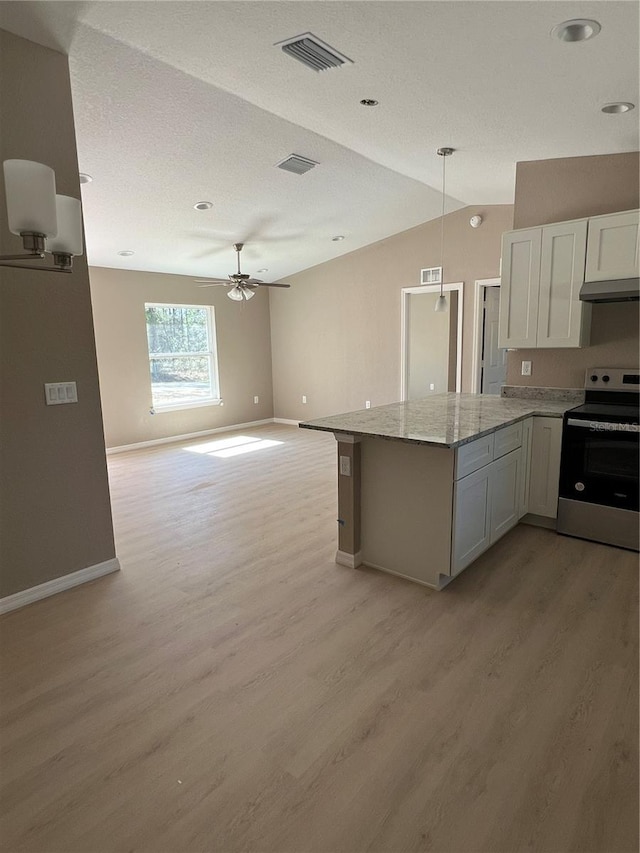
225	448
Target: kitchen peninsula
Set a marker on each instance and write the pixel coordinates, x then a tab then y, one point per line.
424	487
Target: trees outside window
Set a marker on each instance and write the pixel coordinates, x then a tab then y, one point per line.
182	355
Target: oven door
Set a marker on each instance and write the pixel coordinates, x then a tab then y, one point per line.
599	463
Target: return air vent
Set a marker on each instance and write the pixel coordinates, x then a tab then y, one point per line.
432	275
313	52
296	164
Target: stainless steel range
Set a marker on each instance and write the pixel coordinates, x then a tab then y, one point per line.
599	464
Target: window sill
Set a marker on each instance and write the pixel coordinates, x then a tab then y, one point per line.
178	407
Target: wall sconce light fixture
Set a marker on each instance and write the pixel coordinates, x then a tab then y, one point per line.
46	222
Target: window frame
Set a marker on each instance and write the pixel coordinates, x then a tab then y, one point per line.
211	354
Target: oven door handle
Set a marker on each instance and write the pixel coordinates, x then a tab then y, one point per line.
602	426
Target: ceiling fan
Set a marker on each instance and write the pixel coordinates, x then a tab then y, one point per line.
242	285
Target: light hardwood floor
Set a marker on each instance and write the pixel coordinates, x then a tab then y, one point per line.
232	689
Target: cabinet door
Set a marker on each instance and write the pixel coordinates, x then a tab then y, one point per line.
505	493
563	320
520	280
525	467
545	466
471	518
612	247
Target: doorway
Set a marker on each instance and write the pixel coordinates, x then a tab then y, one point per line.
489	367
431	342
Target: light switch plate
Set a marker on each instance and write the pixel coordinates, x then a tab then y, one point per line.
57	393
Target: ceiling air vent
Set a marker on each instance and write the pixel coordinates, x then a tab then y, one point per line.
296	164
313	52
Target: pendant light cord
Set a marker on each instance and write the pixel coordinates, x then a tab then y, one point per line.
444	162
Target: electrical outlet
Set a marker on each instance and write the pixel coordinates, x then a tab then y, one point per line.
304	398
432	386
256	400
345	466
367	404
526	368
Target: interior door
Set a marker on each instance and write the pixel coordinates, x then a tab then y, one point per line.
494	359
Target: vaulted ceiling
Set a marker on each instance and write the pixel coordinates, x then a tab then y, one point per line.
180	102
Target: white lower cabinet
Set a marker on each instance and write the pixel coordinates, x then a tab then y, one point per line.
525	469
490	501
471	518
504	489
546	444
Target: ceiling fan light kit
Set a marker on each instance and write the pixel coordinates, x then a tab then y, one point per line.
243	286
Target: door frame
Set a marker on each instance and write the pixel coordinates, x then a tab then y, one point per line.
404	327
478	317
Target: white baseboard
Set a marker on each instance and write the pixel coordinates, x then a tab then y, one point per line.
351	561
44	590
123	448
286	421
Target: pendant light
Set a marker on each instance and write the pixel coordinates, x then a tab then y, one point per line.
441	301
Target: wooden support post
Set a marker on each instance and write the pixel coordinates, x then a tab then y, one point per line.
348	553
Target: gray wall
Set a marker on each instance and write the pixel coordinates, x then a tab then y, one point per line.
429	351
336	333
572	188
244	355
54	503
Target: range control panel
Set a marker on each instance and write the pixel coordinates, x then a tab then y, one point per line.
612	379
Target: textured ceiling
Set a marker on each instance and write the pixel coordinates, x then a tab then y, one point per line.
181	102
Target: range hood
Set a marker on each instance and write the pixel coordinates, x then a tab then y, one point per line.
617	290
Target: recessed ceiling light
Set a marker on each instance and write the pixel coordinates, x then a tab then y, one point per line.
126	253
369	102
265	269
579	29
618	107
337	238
84	178
203	205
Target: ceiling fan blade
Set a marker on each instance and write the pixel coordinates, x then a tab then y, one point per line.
202	282
273	284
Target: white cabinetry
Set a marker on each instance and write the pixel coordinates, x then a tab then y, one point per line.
487	501
542	272
545	466
505	493
519	288
563	320
612	248
471	518
525	473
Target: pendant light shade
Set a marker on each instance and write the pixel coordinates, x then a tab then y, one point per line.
31	197
236	294
69	238
441	302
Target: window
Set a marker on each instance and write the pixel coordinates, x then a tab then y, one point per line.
182	355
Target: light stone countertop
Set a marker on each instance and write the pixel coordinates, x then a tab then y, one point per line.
446	420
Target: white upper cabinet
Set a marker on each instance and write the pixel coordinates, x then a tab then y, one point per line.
563	320
519	288
612	248
542	272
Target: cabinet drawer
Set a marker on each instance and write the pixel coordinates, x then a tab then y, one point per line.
474	455
507	439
